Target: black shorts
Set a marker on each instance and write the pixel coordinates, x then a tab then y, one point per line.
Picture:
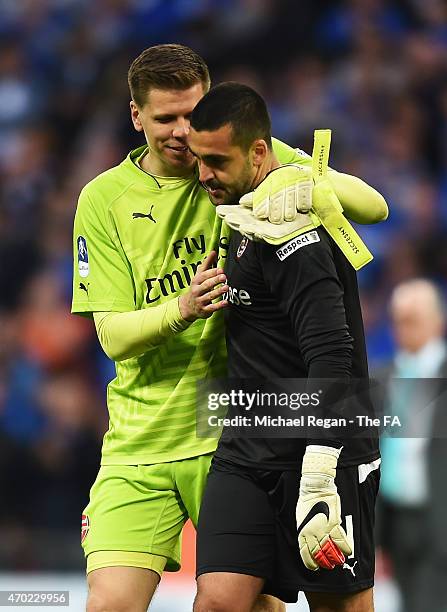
247	525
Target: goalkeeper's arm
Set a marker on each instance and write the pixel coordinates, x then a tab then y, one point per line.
361	203
323	542
128	334
307	288
123	335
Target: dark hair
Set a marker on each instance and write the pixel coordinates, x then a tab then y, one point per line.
166	67
238	105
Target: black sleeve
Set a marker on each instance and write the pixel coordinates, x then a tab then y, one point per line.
309	292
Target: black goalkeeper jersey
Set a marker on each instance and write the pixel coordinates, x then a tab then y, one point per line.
294	313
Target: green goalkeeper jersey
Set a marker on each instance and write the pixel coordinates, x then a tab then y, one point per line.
138	241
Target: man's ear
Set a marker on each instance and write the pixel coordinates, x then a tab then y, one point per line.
259	151
135	116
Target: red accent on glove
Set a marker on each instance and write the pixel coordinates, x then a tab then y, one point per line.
329	555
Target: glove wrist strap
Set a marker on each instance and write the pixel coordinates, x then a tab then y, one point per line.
320	460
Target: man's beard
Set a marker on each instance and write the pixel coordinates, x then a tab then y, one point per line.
229	195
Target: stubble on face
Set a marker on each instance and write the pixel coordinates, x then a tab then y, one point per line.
230	192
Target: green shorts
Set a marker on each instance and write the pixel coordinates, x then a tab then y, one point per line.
142	509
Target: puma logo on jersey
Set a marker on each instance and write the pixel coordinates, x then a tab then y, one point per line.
138	215
350	567
83	287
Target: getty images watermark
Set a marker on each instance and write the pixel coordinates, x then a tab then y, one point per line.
304	408
248	402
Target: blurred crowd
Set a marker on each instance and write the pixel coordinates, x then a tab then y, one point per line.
371	70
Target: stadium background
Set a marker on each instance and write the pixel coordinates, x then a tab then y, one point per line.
373	71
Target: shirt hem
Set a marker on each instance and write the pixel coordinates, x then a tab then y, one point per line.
292	465
160	458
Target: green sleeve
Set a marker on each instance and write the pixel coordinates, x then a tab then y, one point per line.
102	277
128	334
361	203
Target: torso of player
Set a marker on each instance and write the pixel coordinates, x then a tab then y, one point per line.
263	318
260	337
166	233
141	242
264	328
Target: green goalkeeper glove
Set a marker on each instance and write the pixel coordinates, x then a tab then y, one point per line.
286	204
242	220
278	209
282	194
322	540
